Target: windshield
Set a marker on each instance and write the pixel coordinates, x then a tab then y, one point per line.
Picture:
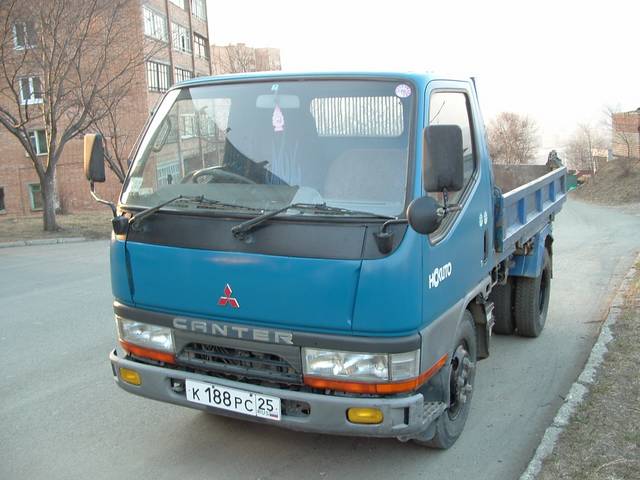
264	145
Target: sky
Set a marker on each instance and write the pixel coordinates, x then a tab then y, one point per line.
559	62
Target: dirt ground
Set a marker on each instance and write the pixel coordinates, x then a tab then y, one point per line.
617	182
89	225
602	440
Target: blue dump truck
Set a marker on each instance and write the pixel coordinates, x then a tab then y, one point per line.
328	253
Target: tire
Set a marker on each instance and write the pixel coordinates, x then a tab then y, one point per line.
502	298
531	301
460	370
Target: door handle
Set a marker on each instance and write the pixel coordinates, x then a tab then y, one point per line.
486	246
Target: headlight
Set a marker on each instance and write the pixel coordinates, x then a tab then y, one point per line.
145	335
359	366
405	365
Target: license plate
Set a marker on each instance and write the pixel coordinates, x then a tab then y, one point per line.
234	400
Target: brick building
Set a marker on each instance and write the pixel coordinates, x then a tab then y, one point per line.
178	30
626	134
242	58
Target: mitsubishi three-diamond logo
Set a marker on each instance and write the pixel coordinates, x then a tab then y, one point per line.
227	298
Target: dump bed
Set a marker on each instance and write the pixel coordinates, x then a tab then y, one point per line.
527	198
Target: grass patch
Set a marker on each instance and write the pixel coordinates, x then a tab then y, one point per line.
89	225
603	439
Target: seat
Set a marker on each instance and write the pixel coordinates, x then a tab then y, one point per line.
367	174
286	157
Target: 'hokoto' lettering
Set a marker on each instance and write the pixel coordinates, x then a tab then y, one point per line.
439	274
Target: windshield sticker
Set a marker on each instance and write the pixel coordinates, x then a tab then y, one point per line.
277	119
403	90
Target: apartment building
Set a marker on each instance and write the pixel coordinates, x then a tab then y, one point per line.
177	32
626	134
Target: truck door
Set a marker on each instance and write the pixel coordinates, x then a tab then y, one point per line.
456	256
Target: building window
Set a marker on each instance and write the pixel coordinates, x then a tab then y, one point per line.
168	173
24	35
187	125
199	9
182	74
35	196
201	46
158	76
155	25
178	3
30	90
207	126
39	141
181	38
2	207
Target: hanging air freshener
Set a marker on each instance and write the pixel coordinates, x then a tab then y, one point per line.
277	119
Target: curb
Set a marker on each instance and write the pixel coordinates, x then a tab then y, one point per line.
581	386
42	241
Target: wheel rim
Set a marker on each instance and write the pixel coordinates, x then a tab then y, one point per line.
460	381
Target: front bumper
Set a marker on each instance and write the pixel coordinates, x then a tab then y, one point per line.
404	417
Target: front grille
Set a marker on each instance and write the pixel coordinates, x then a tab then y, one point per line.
243	363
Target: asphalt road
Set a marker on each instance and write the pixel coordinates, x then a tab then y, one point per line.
61	416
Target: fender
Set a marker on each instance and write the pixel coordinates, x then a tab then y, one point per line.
438	338
531	265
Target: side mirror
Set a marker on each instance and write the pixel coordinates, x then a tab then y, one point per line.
94	166
422	214
94	157
442	159
162	136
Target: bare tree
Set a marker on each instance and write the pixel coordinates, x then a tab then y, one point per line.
513	138
581	146
65	66
233	59
578	153
117	141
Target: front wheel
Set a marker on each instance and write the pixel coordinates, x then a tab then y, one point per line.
461	372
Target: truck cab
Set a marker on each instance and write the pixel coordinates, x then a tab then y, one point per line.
318	251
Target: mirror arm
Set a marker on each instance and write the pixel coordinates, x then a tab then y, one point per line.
100	200
447	208
445	197
393	221
384	239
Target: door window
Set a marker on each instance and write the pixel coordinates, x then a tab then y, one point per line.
452	108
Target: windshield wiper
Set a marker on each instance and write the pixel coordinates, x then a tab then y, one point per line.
240	230
201	200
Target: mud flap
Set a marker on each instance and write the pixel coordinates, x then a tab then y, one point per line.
484	320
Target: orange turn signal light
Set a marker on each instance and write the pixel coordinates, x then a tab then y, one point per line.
130	376
365	416
148	353
376	388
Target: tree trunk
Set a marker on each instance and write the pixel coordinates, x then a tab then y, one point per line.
49	201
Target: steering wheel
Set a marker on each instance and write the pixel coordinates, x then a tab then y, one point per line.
218	172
